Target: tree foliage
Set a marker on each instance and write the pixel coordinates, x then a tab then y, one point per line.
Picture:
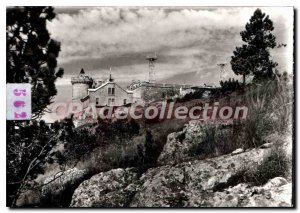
31	53
30	58
230	85
253	57
29	147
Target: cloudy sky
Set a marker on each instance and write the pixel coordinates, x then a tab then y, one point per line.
189	41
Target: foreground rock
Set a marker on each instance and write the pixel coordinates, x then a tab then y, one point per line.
216	182
114	188
191	184
275	193
179	145
58	189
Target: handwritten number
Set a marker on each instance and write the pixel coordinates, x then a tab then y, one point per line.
20	115
19	92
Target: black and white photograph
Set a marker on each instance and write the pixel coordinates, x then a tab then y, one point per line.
150	107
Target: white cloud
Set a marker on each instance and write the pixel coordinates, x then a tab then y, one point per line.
191	39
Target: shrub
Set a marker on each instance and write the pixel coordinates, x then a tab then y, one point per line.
215	140
230	85
274	165
269	110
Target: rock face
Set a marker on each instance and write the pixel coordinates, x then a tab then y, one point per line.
178	144
174	150
30	198
59	189
106	189
215	182
189	184
181	181
275	193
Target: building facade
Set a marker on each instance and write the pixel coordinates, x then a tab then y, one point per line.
80	85
109	93
100	93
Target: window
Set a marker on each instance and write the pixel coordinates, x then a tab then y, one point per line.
124	102
111	91
97	101
111	102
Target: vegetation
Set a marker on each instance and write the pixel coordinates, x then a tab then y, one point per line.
32	146
230	85
29	147
31	54
216	140
253	58
30	58
274	165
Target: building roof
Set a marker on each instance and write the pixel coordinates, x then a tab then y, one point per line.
103	85
82	71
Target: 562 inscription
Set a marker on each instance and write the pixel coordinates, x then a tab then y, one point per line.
18	102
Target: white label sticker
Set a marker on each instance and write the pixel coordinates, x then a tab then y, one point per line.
18	101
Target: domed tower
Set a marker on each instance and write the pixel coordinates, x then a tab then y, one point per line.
80	85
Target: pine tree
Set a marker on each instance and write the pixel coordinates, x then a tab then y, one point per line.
31	54
253	58
30	58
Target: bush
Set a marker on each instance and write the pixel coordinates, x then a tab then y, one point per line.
230	85
274	165
215	140
269	110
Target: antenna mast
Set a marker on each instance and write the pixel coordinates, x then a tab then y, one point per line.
222	70
151	58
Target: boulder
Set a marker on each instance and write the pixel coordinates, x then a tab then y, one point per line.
179	143
57	190
276	193
192	184
114	188
30	198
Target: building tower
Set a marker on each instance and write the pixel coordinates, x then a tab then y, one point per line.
151	58
222	71
80	85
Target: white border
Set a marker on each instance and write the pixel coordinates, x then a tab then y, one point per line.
109	3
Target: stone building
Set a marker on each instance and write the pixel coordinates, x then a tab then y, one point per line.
80	85
101	93
148	92
109	93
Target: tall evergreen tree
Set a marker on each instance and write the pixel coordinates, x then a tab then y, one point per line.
253	58
30	58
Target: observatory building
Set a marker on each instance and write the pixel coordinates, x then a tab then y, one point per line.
109	93
101	93
80	85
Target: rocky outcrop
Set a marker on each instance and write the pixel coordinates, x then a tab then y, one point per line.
30	198
174	150
57	190
114	188
215	182
189	184
178	144
183	181
275	193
